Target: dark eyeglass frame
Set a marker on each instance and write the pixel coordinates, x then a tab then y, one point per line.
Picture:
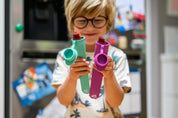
91	19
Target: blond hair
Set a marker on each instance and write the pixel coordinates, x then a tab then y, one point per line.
74	8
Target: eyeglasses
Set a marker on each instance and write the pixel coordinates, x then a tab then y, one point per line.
97	22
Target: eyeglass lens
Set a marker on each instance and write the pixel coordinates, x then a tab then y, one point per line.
82	22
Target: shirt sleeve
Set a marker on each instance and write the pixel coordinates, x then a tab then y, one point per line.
60	70
121	70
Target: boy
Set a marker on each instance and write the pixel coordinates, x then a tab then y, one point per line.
91	19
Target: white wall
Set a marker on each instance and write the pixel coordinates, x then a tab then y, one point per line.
156	20
2	50
152	57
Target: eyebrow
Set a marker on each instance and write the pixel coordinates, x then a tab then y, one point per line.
92	17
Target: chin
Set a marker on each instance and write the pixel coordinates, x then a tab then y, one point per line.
90	40
90	43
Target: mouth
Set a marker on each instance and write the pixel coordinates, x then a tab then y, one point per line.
90	34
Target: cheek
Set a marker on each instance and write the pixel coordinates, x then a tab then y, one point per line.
77	30
102	32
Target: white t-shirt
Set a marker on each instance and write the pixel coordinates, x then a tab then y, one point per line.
83	106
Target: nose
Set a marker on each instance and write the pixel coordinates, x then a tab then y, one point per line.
90	25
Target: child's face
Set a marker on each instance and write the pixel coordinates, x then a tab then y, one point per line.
91	33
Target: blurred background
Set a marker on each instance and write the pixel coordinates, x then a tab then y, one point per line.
33	31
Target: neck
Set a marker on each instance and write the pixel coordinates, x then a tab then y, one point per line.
90	48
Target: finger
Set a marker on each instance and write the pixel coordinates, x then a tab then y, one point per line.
79	59
110	64
80	63
108	68
83	72
82	68
110	59
94	66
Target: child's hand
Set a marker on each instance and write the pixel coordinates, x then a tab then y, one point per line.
108	72
80	67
